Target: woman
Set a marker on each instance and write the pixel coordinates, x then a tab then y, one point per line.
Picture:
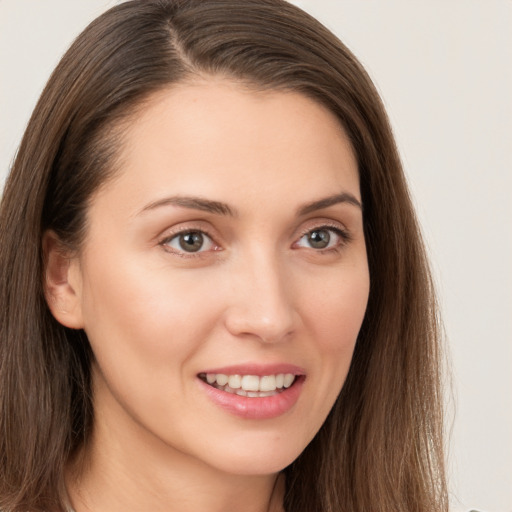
214	291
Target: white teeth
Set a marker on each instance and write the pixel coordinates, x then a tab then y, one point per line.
235	382
267	393
288	380
221	379
250	385
267	383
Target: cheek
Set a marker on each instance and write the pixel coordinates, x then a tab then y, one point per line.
335	316
142	314
143	328
337	307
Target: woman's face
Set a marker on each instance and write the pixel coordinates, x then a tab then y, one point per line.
227	258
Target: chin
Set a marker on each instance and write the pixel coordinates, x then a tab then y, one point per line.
258	458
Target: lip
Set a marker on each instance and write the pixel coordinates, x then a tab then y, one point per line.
256	408
257	369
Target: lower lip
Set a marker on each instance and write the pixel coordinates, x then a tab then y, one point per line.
256	408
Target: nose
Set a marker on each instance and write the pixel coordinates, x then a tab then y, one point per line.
261	303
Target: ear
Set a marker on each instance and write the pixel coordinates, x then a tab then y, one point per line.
62	282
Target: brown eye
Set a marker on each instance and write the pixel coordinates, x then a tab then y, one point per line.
190	242
319	238
323	237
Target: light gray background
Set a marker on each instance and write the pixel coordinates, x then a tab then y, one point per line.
444	69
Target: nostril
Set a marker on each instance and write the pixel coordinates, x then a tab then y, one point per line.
249	323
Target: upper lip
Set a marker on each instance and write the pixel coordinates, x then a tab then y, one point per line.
257	369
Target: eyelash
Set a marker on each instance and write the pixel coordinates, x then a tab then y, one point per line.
182	253
344	236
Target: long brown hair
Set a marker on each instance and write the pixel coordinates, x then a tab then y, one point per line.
381	447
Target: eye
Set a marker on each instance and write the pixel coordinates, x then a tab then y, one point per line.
190	242
323	238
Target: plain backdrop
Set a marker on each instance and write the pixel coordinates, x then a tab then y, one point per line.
444	70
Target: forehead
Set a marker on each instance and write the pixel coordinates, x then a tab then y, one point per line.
225	141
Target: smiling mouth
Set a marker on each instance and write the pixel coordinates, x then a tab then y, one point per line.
252	386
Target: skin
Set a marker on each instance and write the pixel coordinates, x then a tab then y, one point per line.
256	292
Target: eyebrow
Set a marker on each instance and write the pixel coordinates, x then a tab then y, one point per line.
219	208
194	203
344	197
